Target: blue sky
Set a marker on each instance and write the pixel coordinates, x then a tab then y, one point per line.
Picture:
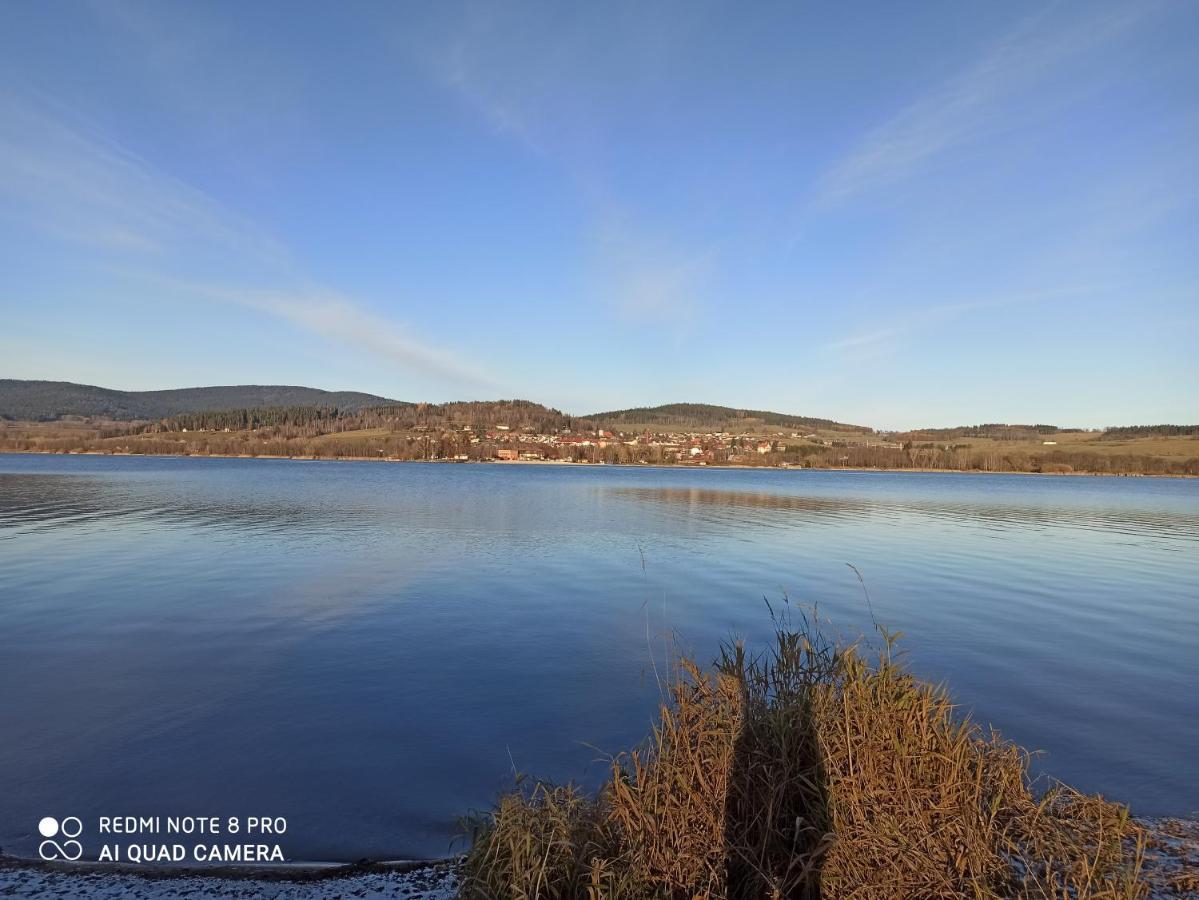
892	214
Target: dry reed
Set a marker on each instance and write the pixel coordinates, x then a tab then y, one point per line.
808	771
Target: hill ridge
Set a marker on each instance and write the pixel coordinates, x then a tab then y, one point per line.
683	415
47	400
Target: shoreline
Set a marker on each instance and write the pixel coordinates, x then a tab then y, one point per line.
294	870
415	880
572	463
1171	871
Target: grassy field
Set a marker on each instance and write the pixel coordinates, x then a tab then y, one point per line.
1177	448
1091	442
360	434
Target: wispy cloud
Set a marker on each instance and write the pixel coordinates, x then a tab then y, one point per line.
461	70
651	278
662	289
883	336
61	174
336	318
967	106
546	87
70	180
864	339
254	96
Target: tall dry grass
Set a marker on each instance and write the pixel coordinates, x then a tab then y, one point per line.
806	771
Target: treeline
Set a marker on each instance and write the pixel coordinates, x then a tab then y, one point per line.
294	421
52	400
516	414
251	418
986	460
684	416
1141	431
995	430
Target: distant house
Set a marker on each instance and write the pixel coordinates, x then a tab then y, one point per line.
501	427
506	453
1049	443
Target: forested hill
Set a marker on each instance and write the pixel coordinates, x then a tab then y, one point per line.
1141	431
997	431
522	415
1002	432
685	416
46	400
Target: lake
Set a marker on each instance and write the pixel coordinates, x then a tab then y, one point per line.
368	649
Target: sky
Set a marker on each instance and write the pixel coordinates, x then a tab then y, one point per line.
897	215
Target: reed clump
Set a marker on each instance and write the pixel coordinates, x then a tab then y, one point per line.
807	771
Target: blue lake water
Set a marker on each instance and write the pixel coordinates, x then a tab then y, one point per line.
367	648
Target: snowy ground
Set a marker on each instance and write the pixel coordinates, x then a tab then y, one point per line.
1172	857
434	882
1171	869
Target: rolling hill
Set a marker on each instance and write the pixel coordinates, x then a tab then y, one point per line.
49	400
718	418
46	400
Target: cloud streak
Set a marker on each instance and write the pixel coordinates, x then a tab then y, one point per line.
336	318
72	182
885	335
966	107
648	280
546	89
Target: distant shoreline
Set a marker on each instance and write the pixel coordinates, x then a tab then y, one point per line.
564	462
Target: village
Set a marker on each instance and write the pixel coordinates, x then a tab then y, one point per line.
505	443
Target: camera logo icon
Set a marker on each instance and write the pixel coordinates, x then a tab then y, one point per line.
68	829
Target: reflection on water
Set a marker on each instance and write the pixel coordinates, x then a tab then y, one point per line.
359	646
726	505
59	500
